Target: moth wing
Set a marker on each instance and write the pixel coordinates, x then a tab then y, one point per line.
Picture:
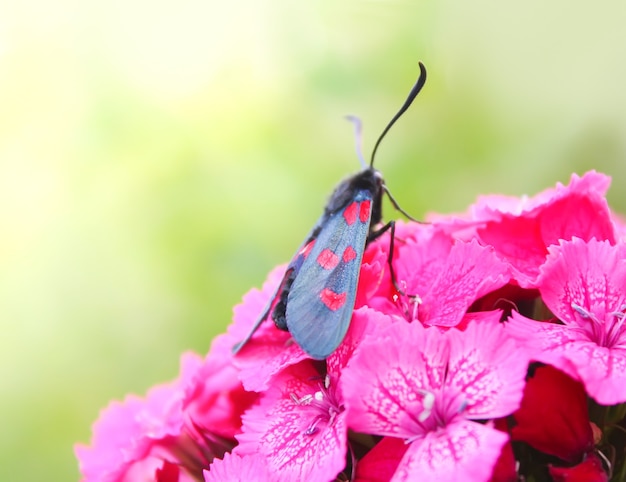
321	299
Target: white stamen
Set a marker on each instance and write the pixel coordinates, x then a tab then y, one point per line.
581	311
415	300
428	402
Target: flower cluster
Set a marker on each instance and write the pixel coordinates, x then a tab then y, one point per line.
498	353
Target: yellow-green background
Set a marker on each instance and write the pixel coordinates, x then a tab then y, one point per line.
157	158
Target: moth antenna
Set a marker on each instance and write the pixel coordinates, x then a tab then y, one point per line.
358	138
398	207
407	103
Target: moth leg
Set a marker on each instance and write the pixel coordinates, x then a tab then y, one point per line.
374	235
390	226
238	346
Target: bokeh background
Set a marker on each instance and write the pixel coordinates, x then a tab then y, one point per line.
158	158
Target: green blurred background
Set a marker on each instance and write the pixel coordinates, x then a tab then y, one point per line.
157	159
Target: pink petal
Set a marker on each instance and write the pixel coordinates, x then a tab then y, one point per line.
365	322
520	228
264	358
590	274
522	235
116	442
416	245
464	451
591	183
518	241
585	215
469	272
442	278
544	341
422	259
489	368
602	370
237	468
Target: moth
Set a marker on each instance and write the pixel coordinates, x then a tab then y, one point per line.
315	299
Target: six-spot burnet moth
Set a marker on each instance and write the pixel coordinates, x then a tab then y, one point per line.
316	296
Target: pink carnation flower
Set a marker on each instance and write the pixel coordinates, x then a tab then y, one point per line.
522	228
175	431
521	234
298	425
428	383
584	285
427	387
442	278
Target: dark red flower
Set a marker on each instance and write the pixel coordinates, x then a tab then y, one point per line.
548	423
590	470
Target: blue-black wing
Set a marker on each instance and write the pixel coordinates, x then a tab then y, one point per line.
321	297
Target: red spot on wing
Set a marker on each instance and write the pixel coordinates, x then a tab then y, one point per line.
332	300
327	259
307	249
348	254
364	212
350	213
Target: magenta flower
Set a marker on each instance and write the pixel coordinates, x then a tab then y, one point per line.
522	235
584	285
428	387
521	229
442	278
175	431
429	383
298	425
